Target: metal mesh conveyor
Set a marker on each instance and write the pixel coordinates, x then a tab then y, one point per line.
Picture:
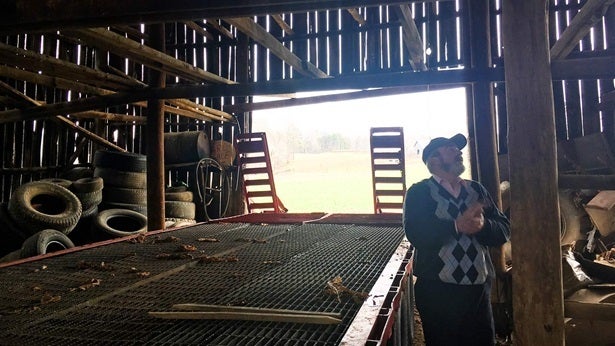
102	294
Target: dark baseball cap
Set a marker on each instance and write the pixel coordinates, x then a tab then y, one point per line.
457	140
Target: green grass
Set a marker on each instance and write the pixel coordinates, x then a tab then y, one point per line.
334	182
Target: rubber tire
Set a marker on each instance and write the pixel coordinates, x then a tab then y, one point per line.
119	222
121	161
77	173
116	178
183	196
124	195
11	256
65	183
174	222
179	210
89	199
139	208
11	237
85	185
41	242
179	188
35	219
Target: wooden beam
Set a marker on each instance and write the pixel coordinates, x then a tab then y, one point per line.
601	67
249	107
155	59
412	38
113	117
198	29
246	316
282	24
182	107
92	136
538	302
224	31
27	15
51	66
586	181
588	16
356	16
260	35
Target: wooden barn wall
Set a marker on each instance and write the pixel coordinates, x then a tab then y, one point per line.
577	102
338	42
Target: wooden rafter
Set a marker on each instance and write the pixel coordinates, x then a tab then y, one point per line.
224	31
198	29
283	25
105	39
181	107
260	35
412	38
12	92
51	66
356	16
590	14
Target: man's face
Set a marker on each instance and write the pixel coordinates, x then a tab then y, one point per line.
451	160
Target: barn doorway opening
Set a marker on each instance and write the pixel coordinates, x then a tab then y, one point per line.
320	153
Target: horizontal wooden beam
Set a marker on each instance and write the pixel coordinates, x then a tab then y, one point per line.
586	181
28	15
594	68
248	107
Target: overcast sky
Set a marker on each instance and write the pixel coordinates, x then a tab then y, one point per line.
422	115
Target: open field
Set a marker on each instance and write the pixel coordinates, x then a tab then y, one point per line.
337	182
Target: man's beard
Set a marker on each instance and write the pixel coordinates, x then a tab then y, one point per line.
455	168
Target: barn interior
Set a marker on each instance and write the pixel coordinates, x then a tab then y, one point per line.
138	206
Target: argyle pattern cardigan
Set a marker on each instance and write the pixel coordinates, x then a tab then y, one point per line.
440	252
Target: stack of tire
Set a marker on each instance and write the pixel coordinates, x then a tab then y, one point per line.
40	214
89	191
123	210
179	207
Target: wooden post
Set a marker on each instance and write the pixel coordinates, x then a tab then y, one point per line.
484	114
537	272
155	141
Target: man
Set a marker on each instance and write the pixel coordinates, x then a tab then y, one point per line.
451	222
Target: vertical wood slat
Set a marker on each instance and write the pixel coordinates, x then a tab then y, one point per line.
606	85
394	47
561	131
300	45
502	120
322	43
385	38
448	33
573	108
372	37
276	65
334	43
312	41
261	54
350	44
430	34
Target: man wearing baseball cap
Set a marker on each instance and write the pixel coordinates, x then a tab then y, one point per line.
452	222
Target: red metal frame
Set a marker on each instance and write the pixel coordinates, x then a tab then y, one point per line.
254	162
